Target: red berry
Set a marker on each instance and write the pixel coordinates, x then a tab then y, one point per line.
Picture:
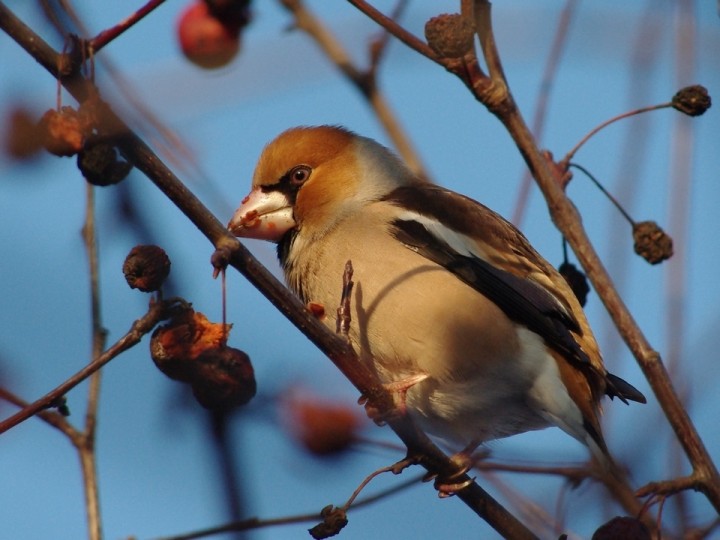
206	40
322	427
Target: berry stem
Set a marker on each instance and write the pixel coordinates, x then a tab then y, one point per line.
612	120
605	191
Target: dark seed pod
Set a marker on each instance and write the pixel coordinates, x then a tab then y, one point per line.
692	100
450	35
651	242
334	520
100	165
146	268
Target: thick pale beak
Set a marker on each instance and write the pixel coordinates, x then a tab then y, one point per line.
263	215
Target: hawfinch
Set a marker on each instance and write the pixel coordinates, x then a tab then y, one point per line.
450	300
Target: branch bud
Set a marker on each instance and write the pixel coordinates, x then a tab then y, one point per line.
651	242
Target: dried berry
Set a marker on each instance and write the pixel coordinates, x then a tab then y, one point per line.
22	139
100	165
334	520
146	268
450	35
692	100
192	349
223	379
577	281
206	40
622	528
651	242
62	132
323	428
176	346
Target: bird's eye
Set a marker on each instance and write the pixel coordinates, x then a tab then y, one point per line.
299	175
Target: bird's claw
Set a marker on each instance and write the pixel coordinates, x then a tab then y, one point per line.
447	486
398	390
446	490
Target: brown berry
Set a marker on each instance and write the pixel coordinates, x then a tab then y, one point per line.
100	165
334	520
577	281
62	132
176	346
651	242
622	528
22	138
323	428
450	35
223	379
146	268
205	40
692	100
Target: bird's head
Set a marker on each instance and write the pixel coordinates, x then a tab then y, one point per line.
311	177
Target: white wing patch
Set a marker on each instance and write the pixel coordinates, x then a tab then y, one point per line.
460	243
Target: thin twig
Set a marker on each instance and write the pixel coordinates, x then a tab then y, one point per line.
369	478
541	107
379	46
604	191
344	315
87	448
364	80
396	30
54	419
257	523
679	209
156	313
106	36
592	132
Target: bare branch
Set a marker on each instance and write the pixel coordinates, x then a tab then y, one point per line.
156	313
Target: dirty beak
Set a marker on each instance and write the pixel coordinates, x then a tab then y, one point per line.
263	216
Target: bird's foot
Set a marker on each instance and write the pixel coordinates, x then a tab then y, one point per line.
449	485
398	390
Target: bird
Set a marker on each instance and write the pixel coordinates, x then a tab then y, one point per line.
452	306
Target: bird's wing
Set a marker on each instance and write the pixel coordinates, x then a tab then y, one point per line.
490	255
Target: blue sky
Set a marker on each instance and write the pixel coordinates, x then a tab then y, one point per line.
158	474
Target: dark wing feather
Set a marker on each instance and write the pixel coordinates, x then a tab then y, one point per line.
620	388
520	299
